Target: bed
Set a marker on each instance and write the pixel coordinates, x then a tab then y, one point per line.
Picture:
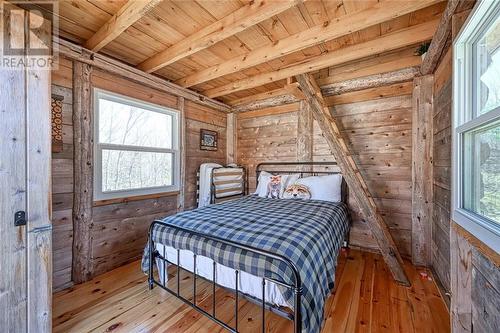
280	252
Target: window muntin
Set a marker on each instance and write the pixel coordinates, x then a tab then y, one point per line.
136	147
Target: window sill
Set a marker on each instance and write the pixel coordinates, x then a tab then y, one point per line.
134	198
487	251
479	229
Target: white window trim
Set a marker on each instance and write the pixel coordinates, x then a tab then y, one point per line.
463	84
98	147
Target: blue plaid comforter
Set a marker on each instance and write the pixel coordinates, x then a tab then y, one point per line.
309	233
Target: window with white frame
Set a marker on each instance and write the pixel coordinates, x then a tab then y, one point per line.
136	147
476	120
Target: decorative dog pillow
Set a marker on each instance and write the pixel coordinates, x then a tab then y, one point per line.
274	187
297	191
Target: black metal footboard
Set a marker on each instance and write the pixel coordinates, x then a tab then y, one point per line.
296	286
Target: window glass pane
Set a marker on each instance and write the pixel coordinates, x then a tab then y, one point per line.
129	125
125	170
488	69
482	171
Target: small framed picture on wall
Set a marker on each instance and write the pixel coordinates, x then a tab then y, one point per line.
208	140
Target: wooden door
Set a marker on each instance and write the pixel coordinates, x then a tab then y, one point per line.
25	256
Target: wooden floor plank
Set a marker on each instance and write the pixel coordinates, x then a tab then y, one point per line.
365	299
364	317
381	315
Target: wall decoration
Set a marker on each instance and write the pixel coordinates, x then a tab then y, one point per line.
208	140
57	133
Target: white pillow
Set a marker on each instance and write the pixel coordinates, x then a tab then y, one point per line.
265	178
326	188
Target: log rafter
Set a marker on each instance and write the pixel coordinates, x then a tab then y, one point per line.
291	93
127	15
398	39
357	186
341	26
371	81
243	18
83	139
443	33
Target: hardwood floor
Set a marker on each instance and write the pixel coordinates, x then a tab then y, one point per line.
366	299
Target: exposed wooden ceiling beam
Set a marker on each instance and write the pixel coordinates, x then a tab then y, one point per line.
443	32
405	37
344	25
127	15
97	60
383	91
378	64
283	99
353	177
252	13
384	83
371	81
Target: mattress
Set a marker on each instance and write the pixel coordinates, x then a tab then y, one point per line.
224	276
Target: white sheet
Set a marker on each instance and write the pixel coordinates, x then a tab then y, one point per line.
205	183
224	276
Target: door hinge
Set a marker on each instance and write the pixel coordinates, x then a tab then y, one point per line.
19	218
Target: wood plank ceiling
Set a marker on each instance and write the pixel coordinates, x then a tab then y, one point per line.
244	54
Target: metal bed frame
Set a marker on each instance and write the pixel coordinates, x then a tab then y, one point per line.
295	286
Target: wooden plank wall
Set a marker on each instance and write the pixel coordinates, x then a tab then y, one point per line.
198	117
377	125
475	284
62	182
120	229
440	247
266	135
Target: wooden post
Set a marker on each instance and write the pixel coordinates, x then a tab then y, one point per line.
182	144
25	205
353	177
304	133
231	138
83	140
461	282
39	204
422	166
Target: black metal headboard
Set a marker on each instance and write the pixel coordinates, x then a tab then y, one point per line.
303	169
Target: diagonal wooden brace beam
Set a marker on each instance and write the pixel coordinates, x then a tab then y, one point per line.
353	177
